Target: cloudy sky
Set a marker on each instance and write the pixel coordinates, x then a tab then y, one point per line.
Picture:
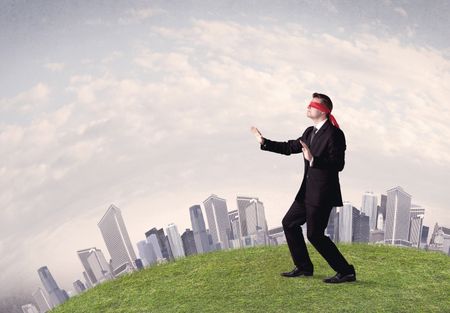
148	105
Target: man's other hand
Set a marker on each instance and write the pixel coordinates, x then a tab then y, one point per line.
306	152
257	134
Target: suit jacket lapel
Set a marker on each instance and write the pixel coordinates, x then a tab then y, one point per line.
319	132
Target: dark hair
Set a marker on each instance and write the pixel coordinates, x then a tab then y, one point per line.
325	100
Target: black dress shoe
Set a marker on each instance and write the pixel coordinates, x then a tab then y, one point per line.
297	272
342	277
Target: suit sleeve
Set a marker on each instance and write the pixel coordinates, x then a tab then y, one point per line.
283	147
334	158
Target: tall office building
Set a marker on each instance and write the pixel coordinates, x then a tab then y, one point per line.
417	214
218	222
397	217
361	232
78	286
87	280
146	252
234	223
333	224
163	242
348	222
381	215
56	295
276	236
100	267
29	308
153	240
424	237
235	238
175	241
117	240
369	208
42	300
83	255
440	239
256	225
199	229
188	242
242	203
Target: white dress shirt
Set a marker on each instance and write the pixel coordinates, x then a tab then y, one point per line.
318	125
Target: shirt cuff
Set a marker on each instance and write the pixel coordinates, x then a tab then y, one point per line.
311	161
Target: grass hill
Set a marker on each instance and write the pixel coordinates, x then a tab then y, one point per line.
389	279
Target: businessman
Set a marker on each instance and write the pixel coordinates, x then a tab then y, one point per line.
323	147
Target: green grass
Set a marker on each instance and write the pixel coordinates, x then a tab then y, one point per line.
389	279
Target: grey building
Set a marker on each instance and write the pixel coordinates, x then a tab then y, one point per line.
199	229
175	241
424	236
146	252
417	214
56	295
332	229
163	242
29	308
348	222
381	212
189	242
276	236
218	222
42	300
369	208
83	255
117	240
362	228
79	286
397	217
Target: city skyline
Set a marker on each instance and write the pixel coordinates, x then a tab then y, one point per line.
345	234
149	106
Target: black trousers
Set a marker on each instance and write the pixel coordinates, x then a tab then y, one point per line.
316	219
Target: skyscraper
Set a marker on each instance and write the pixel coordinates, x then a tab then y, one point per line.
56	295
256	225
417	214
361	232
332	225
369	208
163	242
235	240
152	239
29	308
397	217
381	215
79	286
42	300
188	242
175	241
242	204
146	252
199	229
218	222
83	255
99	265
117	240
348	222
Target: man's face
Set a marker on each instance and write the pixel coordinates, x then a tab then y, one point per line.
313	113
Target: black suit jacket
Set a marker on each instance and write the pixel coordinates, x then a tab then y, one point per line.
320	185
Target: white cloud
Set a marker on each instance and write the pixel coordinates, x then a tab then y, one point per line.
55	67
138	15
26	101
401	11
176	126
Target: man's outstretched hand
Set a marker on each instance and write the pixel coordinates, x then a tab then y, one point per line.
257	134
306	152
